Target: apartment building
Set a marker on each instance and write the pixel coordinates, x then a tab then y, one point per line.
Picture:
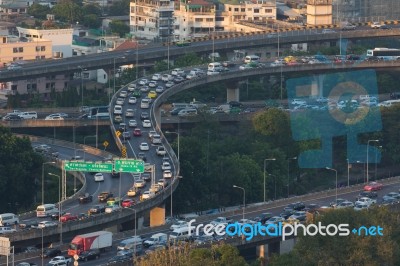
13	48
152	19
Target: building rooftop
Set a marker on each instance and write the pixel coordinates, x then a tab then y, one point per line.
126	45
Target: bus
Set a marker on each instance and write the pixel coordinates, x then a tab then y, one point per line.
384	53
99	112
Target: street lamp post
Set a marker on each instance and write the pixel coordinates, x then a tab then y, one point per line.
43	179
336	181
373	140
288	171
265	162
60	203
244	197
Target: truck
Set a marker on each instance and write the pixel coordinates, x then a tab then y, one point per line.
97	240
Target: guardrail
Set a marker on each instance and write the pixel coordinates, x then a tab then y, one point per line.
54	123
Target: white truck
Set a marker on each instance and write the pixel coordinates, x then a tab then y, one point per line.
156	239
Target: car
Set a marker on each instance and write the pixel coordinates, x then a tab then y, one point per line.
152	84
120	101
104	196
358	206
139	183
177	72
178	224
28	224
394	195
169	84
162	182
54	117
12	117
132	87
26	264
85	198
144	89
118	259
44	224
178	79
368	194
68	217
113	201
147	194
144	146
326	31
389	201
146	176
118	119
132	100
97	209
126	135
160	89
166	166
117	110
146	123
129	113
299	215
373	186
126	203
115	174
133	191
349	27
7	230
375	25
156	77
167	174
132	123
152	94
144	116
335	203
275	220
123	94
143	82
51	252
98	177
142	156
60	259
160	150
112	208
89	255
286	213
297	206
345	204
385	27
137	132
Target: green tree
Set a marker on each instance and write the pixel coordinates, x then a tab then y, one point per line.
190	59
119	8
19	167
119	27
91	21
68	11
38	11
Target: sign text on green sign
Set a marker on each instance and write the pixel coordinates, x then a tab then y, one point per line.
88	167
129	166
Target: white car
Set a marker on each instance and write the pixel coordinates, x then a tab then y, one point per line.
120	101
144	89
139	183
345	204
178	72
167	174
7	230
152	84
156	77
178	224
143	82
60	259
54	117
147	194
144	146
366	200
166	166
44	224
132	100
361	206
146	123
132	87
99	177
160	89
132	123
118	110
123	94
129	113
169	84
112	208
167	77
212	72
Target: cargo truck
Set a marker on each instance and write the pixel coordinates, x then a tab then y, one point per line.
96	240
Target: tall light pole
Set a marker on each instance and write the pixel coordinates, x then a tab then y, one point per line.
376	162
244	197
265	162
288	173
60	203
373	140
363	169
43	179
336	181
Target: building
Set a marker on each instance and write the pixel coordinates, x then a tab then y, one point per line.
319	12
14	6
152	20
13	48
61	39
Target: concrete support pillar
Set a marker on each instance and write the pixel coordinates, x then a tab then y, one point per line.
157	216
286	246
232	91
317	86
262	251
139	222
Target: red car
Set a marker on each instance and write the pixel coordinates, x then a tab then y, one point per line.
68	217
137	132
373	186
126	203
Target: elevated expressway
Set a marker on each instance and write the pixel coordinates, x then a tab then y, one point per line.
23	238
152	53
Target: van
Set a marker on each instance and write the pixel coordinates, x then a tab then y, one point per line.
251	59
29	115
215	67
188	112
181	234
180	105
156	239
46	210
131	244
8	219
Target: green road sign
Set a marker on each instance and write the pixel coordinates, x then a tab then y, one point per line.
129	166
88	167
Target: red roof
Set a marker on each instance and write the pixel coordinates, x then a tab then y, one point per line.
126	45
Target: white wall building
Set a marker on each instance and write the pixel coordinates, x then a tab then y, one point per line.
61	39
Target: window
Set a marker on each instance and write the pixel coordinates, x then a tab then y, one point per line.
230	9
15	50
20	49
243	10
268	10
198	20
209	19
42	48
236	9
256	10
